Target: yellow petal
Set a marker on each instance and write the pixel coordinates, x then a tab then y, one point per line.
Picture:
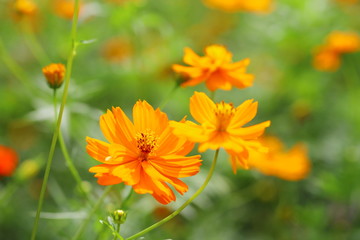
202	108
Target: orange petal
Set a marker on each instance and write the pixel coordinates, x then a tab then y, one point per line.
97	149
177	166
202	108
190	57
128	172
170	144
189	130
107	179
244	114
218	81
145	117
251	132
191	72
117	128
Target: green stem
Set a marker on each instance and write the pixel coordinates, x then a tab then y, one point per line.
58	122
86	221
117	230
166	100
68	160
172	215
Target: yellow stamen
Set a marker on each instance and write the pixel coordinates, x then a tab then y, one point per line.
224	112
146	143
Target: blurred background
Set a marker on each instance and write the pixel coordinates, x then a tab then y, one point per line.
126	51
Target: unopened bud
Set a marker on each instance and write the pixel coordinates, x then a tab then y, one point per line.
28	169
119	216
54	74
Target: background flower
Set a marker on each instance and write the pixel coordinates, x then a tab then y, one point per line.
289	165
216	69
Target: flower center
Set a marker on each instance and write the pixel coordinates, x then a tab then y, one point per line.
146	143
224	112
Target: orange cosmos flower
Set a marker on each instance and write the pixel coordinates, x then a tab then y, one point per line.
54	74
222	125
64	8
327	57
215	69
117	49
24	8
8	161
343	42
326	60
289	165
145	154
262	6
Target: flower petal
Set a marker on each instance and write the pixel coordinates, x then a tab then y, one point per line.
145	117
97	149
244	114
202	108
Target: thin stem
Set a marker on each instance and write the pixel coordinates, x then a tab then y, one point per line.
86	221
172	215
166	100
68	160
117	230
58	123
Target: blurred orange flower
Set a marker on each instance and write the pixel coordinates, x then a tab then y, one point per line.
117	49
262	6
348	1
289	165
24	8
8	161
327	56
343	42
145	154
216	69
64	8
54	74
326	60
222	125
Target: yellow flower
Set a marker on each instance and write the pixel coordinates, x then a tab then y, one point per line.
289	165
216	69
54	74
262	6
145	154
222	125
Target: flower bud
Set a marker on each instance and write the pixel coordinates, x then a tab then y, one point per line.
119	216
28	169
54	74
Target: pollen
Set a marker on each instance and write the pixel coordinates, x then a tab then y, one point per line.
224	112
146	143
